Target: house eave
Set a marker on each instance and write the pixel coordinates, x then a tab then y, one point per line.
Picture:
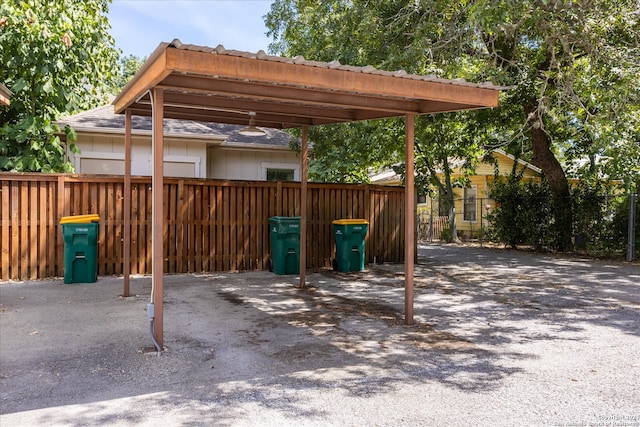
139	132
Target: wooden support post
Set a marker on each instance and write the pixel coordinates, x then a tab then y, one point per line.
303	205
61	210
157	183
126	240
631	235
409	236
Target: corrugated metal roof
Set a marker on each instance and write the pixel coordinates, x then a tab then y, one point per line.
335	65
221	85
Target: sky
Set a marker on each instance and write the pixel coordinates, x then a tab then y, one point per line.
139	26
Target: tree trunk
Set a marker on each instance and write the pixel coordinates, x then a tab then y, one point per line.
452	207
544	158
452	222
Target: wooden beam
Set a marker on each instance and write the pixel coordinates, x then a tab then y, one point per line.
62	209
153	72
5	95
157	184
126	241
303	205
290	74
409	236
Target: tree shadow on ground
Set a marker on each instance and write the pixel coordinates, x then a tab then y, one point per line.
253	340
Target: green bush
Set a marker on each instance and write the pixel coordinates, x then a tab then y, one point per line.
522	213
445	234
591	221
616	236
523	216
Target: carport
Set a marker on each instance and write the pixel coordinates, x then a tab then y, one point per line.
206	84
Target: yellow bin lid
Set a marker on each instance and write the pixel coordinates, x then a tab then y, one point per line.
80	219
350	221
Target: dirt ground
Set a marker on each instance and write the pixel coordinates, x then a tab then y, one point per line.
501	338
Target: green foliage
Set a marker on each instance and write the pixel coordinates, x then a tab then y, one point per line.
617	237
574	68
590	206
129	66
345	153
445	234
365	33
602	220
56	57
522	214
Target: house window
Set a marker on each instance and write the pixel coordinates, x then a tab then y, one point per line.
178	166
422	199
101	166
92	162
280	174
179	169
470	204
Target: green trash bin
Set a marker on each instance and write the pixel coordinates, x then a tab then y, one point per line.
285	244
80	235
349	236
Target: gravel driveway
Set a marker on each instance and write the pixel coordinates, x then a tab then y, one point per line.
501	338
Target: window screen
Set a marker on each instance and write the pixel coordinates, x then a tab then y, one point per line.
470	204
279	174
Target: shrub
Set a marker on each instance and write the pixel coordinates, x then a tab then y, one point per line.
522	213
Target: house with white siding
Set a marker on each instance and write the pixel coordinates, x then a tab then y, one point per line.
192	149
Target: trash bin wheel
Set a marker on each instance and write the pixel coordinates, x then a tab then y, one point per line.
270	265
334	264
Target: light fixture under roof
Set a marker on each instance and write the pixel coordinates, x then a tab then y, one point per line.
252	130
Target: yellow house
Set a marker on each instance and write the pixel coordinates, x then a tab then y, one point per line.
471	203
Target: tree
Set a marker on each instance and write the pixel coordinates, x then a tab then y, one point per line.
351	32
445	147
569	62
562	55
347	153
57	58
129	66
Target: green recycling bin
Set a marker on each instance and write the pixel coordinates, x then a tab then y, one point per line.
349	235
285	244
80	235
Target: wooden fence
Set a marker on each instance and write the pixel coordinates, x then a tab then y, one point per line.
209	225
430	227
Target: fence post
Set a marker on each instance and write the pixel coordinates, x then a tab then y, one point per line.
62	208
481	225
431	220
631	250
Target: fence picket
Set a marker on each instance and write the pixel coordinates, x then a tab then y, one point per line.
210	225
